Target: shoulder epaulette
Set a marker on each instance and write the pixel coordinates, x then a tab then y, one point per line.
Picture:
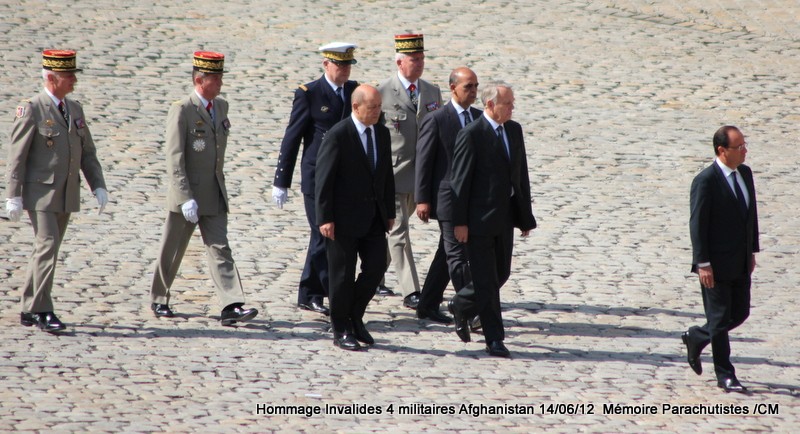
177	102
304	87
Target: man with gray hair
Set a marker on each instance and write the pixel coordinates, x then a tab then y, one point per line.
407	100
50	144
491	196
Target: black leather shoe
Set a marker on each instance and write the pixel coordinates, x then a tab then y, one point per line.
462	329
475	325
433	315
383	290
236	313
346	341
731	384
27	319
411	301
314	306
693	356
46	321
162	310
361	333
497	349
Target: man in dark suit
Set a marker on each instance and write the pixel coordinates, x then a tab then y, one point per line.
491	196
355	210
317	107
437	137
724	228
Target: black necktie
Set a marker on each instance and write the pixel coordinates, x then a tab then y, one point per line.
370	149
339	93
467	118
63	109
502	141
739	195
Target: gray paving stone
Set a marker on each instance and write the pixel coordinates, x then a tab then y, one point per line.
618	100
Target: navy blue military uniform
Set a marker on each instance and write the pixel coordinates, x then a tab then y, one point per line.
316	108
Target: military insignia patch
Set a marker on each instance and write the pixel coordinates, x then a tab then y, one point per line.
199	145
20	111
199	123
324	109
79	123
227	124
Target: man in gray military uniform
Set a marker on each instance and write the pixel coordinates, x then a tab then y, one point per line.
407	99
197	135
50	144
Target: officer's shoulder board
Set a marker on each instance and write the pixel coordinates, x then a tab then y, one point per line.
304	87
22	108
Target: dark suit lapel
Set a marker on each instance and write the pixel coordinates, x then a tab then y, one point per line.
513	153
505	154
751	190
722	182
493	143
359	146
453	123
475	113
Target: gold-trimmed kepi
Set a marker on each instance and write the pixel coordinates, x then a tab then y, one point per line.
209	62
408	43
340	53
60	60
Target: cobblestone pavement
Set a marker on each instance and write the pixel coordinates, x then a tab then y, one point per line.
618	99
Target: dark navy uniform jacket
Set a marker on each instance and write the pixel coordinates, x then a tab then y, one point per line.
316	108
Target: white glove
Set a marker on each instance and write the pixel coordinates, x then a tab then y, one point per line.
102	199
279	196
189	209
14	208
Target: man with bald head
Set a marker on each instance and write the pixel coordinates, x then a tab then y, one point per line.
437	136
355	209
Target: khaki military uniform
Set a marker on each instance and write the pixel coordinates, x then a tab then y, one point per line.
195	146
46	155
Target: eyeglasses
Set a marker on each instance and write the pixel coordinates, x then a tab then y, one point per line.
738	148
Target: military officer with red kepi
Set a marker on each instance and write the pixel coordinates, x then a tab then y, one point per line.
197	136
50	144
